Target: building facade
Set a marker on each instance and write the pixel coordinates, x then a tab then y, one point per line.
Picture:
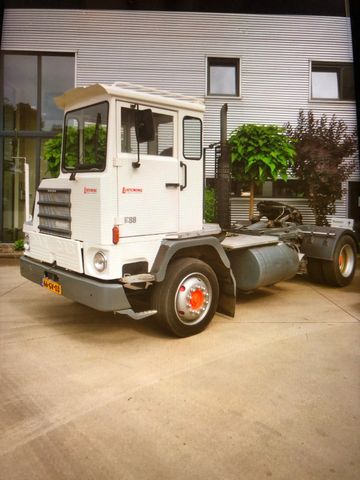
265	67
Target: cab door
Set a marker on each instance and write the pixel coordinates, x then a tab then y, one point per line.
191	174
147	174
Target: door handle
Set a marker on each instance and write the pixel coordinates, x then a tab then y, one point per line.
183	165
172	185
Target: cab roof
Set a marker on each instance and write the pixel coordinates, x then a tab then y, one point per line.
130	92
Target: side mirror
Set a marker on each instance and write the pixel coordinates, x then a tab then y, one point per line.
144	125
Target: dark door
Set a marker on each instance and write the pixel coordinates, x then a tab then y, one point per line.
354	200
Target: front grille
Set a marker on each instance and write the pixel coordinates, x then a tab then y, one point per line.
55	211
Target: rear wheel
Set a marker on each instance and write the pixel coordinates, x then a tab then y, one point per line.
340	271
187	299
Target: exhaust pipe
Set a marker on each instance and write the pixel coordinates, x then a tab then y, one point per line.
223	178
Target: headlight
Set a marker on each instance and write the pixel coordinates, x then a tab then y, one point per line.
100	261
26	243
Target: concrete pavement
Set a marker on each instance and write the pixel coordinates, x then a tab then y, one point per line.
272	393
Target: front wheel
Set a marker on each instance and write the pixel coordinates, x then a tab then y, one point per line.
341	269
187	299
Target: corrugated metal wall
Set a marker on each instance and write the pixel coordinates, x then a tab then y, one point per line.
169	49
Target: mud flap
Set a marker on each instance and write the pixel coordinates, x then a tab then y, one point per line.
227	297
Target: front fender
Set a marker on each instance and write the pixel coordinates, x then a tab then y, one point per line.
209	250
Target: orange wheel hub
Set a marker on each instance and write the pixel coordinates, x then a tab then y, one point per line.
341	261
197	299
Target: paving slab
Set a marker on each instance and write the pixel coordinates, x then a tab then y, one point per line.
272	393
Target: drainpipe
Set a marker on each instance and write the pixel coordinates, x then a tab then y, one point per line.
27	188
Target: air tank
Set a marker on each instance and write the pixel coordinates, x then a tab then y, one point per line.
262	266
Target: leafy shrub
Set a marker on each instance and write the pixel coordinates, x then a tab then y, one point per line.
209	205
52	155
19	244
94	148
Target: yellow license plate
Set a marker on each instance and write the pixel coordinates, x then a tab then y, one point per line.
52	286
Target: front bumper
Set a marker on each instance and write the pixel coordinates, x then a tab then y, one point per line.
103	296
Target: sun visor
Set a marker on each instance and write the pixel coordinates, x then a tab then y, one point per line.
79	94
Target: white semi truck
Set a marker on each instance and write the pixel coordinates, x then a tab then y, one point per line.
121	228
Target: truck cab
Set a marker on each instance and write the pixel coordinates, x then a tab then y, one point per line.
121	181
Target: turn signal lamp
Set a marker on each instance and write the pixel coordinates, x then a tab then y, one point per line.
115	234
26	243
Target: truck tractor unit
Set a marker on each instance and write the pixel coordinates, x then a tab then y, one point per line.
121	228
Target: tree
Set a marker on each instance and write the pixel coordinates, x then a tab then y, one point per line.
321	148
259	153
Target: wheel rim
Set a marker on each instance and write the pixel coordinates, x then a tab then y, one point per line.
346	261
193	299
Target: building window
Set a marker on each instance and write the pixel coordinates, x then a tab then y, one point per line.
332	81
28	119
292	188
223	76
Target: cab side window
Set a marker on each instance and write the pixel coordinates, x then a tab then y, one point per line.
163	143
192	138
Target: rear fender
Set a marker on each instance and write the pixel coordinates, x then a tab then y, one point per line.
320	242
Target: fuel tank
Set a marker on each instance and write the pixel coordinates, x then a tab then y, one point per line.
264	265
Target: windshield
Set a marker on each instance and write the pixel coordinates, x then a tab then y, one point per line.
85	137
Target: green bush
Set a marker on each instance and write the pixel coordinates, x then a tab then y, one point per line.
94	148
209	205
52	155
19	244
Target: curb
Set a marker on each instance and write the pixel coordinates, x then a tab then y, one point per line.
7	251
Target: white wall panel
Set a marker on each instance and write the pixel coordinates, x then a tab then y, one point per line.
169	49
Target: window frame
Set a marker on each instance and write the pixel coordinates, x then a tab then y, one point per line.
38	134
272	187
224	61
80	170
183	137
121	103
330	66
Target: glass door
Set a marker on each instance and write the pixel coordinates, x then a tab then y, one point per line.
14	184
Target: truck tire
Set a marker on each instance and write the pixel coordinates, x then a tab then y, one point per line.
187	299
340	271
315	270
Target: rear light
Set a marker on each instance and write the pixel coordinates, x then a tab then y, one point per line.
115	235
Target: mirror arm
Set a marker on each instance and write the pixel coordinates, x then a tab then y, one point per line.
137	163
